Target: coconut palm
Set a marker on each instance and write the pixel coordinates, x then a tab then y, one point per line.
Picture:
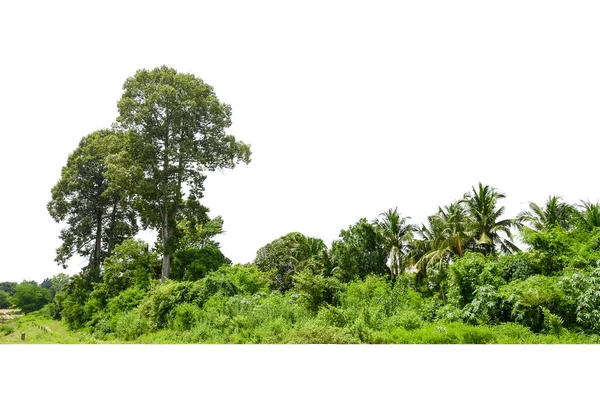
554	213
444	239
485	223
588	216
396	234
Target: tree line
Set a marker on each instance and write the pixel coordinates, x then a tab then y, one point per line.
457	277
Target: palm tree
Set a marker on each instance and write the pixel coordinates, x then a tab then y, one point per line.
396	234
481	205
589	215
554	213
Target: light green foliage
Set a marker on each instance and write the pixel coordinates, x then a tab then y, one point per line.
131	325
485	306
162	299
358	252
315	290
582	291
4	300
469	272
30	297
526	299
552	323
185	316
131	264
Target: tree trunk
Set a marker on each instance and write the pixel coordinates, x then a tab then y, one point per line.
166	261
97	248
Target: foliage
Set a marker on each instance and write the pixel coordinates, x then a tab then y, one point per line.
177	127
30	297
293	252
358	252
468	273
98	216
132	264
4	300
8	287
193	263
315	290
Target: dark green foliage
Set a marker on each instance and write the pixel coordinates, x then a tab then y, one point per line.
518	266
30	297
97	214
191	264
283	257
358	252
8	287
4	300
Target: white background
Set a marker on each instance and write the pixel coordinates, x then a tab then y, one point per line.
350	107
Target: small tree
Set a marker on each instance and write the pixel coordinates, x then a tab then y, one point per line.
30	297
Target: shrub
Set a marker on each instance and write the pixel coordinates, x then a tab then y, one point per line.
526	299
185	316
162	300
126	300
131	325
315	290
6	329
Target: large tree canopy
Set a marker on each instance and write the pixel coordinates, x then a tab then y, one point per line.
96	214
178	133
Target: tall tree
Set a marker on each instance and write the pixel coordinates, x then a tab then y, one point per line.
553	214
486	226
178	133
97	216
396	234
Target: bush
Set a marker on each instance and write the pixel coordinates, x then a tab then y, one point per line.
185	316
315	290
126	300
163	298
131	325
525	300
6	329
470	272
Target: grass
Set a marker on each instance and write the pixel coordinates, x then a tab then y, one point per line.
40	329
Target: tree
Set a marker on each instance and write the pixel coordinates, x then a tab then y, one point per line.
8	287
4	299
30	297
588	217
358	252
443	240
396	234
288	254
481	205
177	127
98	217
554	213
